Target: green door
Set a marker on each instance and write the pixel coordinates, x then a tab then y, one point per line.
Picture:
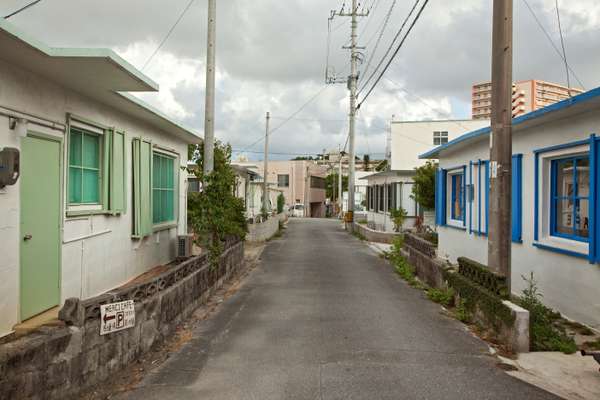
40	225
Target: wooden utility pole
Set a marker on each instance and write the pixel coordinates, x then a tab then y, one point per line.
499	236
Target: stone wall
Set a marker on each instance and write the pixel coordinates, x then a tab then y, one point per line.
265	230
373	235
58	362
421	254
474	284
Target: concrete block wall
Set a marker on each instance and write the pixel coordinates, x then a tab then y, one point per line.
433	271
373	235
265	230
58	362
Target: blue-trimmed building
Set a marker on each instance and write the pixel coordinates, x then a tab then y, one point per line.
555	198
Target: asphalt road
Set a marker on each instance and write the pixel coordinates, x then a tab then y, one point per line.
322	317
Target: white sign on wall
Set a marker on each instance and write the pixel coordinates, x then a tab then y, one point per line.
115	317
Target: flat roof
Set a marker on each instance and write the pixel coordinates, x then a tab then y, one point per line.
389	174
99	74
578	104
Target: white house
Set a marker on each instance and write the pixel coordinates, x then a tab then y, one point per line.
555	202
411	138
393	189
100	197
386	191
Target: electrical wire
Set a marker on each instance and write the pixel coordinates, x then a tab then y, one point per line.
562	43
387	52
168	34
381	32
289	118
25	7
395	53
556	49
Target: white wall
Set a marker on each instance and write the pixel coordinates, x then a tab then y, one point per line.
381	220
568	283
97	252
409	139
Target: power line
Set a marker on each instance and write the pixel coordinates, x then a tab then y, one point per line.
387	52
381	32
25	7
562	43
395	53
289	118
168	34
539	23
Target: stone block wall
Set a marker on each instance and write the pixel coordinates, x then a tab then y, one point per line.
373	235
265	230
422	256
58	362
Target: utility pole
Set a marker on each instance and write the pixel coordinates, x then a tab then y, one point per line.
265	203
352	81
499	237
209	110
340	191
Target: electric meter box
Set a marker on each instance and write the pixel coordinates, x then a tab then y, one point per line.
9	166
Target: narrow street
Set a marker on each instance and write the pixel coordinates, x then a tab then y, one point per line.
322	317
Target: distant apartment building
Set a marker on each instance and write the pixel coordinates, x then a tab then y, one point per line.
301	182
527	96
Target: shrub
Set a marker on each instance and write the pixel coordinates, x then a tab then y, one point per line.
216	213
444	297
545	331
398	217
280	203
462	312
423	191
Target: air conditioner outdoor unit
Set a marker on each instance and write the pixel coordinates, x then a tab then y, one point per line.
184	245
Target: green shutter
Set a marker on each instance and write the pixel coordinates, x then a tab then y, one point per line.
142	188
117	200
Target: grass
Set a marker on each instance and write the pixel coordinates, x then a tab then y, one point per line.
592	345
442	296
545	329
359	235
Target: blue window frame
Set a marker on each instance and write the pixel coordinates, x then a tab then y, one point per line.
570	198
458	197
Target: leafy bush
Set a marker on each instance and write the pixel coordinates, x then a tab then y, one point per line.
216	213
398	217
546	333
444	297
462	312
280	203
423	191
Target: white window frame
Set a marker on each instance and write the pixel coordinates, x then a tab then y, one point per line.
544	202
457	223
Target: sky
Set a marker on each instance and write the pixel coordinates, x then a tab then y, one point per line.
271	56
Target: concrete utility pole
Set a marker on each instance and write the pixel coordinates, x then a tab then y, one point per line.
265	203
340	191
352	82
499	237
209	107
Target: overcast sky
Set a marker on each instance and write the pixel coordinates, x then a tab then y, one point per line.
271	57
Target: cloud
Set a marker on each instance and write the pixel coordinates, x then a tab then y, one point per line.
271	57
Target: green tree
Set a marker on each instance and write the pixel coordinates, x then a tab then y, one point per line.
366	162
331	181
216	213
398	217
423	191
280	203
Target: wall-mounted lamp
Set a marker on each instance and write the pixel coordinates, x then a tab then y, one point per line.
19	125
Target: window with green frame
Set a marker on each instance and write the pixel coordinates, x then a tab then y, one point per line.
163	189
85	172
